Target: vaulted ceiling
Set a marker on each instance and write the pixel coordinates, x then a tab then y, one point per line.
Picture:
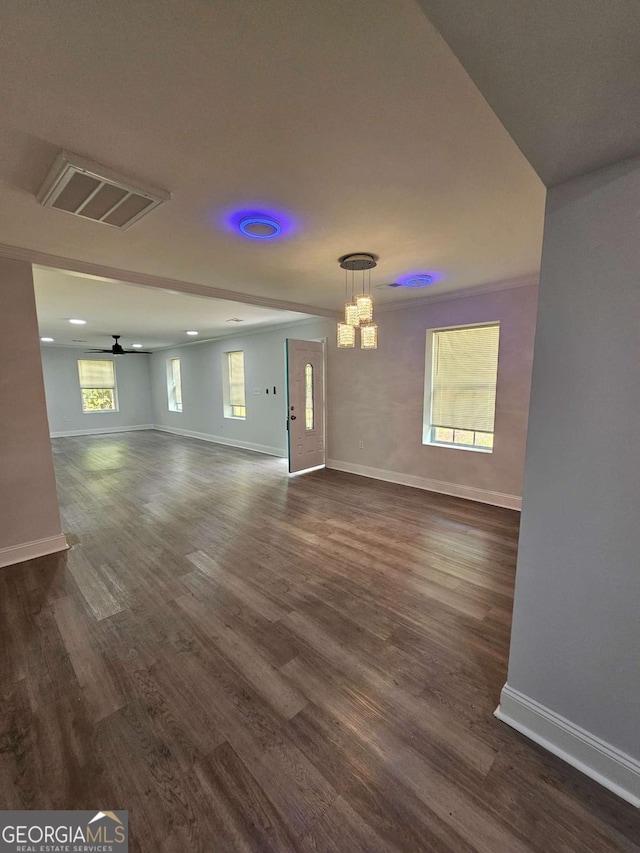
563	76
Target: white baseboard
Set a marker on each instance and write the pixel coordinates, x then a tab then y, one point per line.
31	550
221	439
454	489
100	430
612	768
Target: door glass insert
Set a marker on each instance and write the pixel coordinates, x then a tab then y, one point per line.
308	396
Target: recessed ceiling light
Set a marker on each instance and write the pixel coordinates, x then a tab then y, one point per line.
260	222
260	226
137	346
47	340
192	332
418	281
418	278
77	322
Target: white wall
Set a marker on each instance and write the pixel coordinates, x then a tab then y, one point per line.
575	649
202	401
377	398
64	401
29	517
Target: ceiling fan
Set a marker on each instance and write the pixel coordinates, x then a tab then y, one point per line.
116	349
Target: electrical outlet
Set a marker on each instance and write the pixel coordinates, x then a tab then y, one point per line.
361	445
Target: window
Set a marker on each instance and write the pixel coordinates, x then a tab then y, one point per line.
460	400
97	385
174	385
234	399
308	396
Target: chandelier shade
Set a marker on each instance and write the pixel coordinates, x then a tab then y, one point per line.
364	305
351	315
346	336
369	336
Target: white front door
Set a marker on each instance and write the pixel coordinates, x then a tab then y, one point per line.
305	404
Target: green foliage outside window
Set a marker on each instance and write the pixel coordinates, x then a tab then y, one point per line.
98	400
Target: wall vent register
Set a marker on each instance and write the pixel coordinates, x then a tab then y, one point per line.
78	186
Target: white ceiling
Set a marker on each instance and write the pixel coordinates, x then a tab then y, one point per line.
563	77
150	316
353	115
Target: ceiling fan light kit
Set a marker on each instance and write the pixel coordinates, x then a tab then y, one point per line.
358	310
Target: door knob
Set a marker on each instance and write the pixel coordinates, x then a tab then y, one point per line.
293	417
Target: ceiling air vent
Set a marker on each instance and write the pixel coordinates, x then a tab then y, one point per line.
78	186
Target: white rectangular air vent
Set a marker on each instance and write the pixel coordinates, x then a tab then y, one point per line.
78	186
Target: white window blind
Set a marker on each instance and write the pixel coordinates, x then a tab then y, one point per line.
236	378
97	385
465	368
96	373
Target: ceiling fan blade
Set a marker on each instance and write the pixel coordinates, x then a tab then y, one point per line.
99	350
136	351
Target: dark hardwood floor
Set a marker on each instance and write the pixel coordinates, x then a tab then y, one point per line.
248	662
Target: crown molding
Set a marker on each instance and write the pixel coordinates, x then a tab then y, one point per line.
530	280
44	259
88	268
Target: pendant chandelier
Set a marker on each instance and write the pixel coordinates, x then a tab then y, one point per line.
358	310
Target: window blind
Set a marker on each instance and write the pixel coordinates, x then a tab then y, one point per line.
465	369
236	378
96	374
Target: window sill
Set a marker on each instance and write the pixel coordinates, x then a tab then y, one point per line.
457	446
233	418
102	412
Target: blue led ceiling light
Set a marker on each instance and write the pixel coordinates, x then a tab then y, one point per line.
259	227
259	222
417	281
